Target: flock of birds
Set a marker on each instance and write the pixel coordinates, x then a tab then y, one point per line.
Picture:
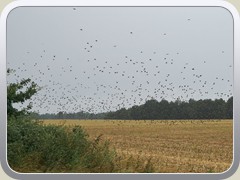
94	84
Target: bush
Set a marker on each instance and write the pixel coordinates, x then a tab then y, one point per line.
33	147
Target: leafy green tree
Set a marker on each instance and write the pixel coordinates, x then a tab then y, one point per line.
19	92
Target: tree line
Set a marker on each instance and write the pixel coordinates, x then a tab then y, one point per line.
192	109
153	109
64	115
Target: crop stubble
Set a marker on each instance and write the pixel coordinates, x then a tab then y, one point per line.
183	146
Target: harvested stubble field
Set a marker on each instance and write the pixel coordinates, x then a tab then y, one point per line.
171	146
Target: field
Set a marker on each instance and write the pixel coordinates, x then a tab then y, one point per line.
168	146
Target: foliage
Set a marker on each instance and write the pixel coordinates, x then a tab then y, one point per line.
19	92
33	147
201	109
78	115
152	109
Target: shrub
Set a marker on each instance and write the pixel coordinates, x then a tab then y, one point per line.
33	147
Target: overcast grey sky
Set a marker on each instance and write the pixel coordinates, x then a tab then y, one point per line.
98	59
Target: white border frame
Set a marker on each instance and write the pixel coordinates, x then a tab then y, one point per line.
122	3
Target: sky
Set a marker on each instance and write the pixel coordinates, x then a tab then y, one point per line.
100	59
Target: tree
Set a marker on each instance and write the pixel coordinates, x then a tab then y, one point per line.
230	108
192	109
60	115
150	109
19	92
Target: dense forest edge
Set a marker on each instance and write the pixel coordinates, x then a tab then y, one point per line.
153	109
